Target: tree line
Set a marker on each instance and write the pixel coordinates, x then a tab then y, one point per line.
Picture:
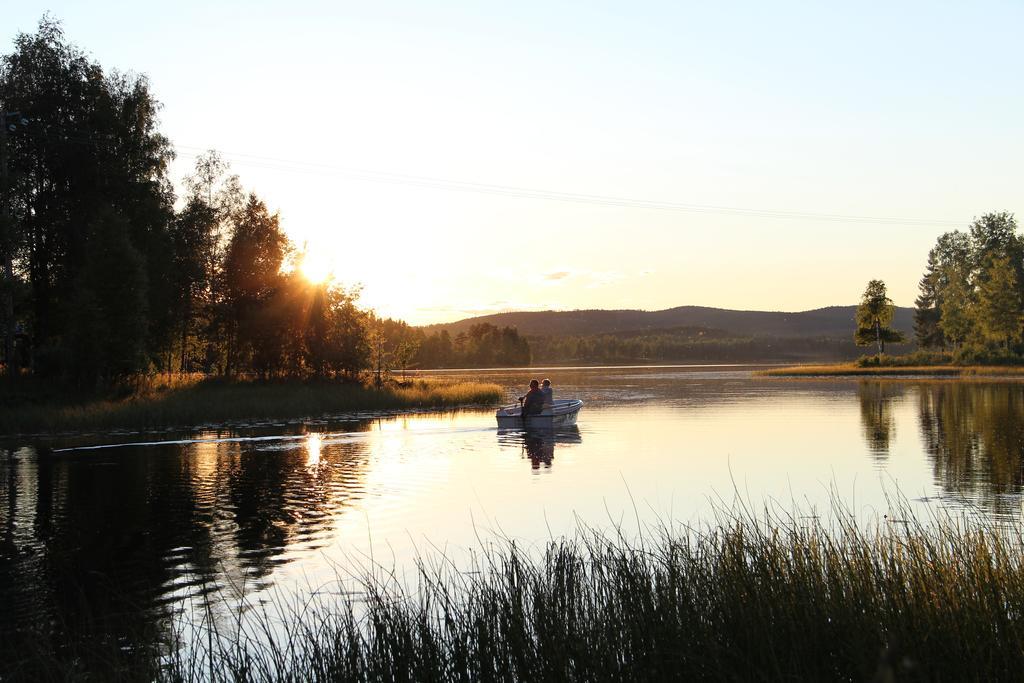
971	299
483	345
108	273
686	344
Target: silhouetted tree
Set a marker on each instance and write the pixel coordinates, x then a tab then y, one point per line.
91	146
336	335
107	326
118	283
192	238
251	276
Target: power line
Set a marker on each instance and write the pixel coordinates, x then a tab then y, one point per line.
273	163
320	168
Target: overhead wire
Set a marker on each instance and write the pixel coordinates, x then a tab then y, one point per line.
428	182
273	163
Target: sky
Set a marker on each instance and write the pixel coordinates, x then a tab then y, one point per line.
456	159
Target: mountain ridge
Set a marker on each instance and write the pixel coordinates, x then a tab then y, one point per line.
829	321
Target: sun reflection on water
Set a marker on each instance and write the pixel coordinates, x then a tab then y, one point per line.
313	444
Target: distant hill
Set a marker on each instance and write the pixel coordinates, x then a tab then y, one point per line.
833	321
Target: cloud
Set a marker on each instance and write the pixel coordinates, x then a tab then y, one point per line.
557	275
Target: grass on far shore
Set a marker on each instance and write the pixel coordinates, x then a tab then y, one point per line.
784	597
967	362
854	370
192	401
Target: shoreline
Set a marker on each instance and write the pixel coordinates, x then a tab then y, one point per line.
973	372
190	405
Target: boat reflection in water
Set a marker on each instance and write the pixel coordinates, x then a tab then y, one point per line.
538	443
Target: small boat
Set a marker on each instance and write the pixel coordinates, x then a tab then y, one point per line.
562	413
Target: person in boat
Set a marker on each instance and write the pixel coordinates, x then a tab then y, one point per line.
533	402
548	393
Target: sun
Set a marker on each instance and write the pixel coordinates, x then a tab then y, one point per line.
317	268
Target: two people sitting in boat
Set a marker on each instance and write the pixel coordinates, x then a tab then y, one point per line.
537	398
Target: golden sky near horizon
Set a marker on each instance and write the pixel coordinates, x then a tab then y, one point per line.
465	158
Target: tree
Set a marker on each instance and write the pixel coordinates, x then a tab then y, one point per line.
994	236
953	254
999	304
957	321
319	331
336	335
113	280
91	147
107	324
927	313
973	286
435	351
874	315
201	233
404	353
192	239
350	351
251	276
379	355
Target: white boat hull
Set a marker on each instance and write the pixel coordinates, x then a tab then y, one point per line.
562	413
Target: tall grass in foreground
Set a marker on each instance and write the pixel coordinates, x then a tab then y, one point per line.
774	598
187	404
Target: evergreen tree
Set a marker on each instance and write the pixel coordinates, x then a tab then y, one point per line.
927	312
999	303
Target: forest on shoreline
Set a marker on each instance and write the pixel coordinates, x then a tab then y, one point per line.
108	273
971	301
690	345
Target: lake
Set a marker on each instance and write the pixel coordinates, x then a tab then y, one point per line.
108	535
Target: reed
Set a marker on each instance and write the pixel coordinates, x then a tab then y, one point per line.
780	597
196	402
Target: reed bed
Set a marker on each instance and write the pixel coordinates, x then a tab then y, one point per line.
772	598
191	403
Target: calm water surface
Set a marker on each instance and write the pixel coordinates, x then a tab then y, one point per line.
101	540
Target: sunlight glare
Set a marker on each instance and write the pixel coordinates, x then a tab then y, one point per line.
313	444
316	268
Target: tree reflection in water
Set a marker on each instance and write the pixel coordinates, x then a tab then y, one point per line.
538	444
876	413
974	437
96	546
